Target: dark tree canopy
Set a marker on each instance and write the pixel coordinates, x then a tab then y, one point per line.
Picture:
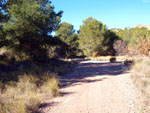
65	29
66	33
30	26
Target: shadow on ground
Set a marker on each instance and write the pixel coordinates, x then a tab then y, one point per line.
85	69
90	69
44	106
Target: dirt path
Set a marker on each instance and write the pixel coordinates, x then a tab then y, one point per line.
95	87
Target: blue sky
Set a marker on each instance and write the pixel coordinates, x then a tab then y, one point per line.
113	13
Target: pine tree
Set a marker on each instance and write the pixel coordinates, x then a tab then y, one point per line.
92	37
30	26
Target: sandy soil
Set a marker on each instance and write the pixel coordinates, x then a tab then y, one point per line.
95	87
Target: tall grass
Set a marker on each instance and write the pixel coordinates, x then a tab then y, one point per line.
141	78
26	84
26	95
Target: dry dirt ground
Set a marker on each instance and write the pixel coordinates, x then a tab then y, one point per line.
95	87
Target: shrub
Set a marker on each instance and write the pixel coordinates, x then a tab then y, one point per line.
141	78
24	88
26	95
128	62
143	46
50	87
113	59
8	105
120	47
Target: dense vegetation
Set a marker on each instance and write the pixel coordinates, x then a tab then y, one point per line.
135	39
29	51
66	33
93	37
27	74
27	27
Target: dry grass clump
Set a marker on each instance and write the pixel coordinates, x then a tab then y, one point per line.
26	95
141	78
26	84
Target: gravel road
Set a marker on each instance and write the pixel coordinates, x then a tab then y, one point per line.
95	87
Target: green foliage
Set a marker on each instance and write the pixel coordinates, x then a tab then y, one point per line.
65	29
1	37
132	35
66	33
92	37
29	27
110	38
2	19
